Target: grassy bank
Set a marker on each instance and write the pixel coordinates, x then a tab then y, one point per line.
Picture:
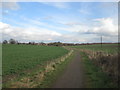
53	75
95	78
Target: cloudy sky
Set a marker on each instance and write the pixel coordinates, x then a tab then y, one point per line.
76	22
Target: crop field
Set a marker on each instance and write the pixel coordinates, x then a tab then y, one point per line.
108	48
16	58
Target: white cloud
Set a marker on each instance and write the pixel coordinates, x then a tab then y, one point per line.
27	33
36	34
106	27
57	4
73	38
76	31
6	6
10	5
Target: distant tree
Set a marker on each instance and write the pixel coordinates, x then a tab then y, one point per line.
17	42
32	43
29	43
5	42
12	41
58	42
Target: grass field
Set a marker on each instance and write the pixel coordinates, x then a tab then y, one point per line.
108	48
16	58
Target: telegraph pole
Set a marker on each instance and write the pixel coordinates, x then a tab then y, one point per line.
101	41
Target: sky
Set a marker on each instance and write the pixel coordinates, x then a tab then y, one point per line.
71	22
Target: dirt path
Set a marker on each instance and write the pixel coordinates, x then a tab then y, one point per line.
72	76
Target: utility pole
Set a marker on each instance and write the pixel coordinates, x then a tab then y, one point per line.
101	41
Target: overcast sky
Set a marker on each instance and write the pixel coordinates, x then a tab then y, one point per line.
76	22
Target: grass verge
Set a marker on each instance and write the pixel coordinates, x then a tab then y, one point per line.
53	75
95	78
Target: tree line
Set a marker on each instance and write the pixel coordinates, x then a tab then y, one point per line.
13	41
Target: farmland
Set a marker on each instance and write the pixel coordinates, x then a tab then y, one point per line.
16	58
107	48
21	61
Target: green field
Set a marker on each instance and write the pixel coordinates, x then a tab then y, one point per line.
16	58
108	48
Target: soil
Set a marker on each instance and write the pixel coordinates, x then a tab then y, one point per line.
73	75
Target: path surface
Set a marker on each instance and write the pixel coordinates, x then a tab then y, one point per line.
72	76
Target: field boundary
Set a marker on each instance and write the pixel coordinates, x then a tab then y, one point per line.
107	62
95	76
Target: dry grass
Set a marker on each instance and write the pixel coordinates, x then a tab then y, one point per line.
108	62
